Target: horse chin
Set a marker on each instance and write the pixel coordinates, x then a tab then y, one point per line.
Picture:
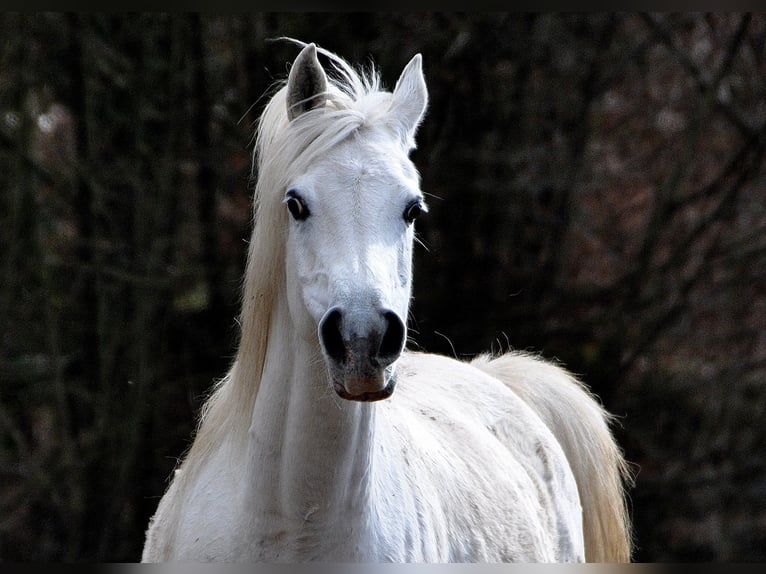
365	389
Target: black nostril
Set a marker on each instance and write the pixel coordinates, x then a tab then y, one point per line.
330	336
392	343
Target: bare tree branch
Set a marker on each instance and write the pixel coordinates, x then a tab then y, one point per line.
29	162
705	84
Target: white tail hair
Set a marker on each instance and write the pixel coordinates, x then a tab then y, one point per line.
581	426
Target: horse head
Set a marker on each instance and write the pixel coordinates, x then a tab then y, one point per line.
351	227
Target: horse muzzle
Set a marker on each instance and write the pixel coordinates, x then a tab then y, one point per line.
360	348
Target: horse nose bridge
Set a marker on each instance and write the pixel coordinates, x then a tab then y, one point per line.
363	317
364	268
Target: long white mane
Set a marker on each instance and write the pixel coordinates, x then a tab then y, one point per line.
354	101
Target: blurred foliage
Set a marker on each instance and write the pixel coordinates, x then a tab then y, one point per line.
596	185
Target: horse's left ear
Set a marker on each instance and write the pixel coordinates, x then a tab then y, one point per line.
409	101
306	83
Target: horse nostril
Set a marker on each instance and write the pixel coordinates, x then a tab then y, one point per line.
379	343
331	337
392	343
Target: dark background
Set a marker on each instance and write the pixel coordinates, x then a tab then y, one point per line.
598	195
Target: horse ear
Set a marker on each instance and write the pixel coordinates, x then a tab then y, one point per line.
306	83
410	98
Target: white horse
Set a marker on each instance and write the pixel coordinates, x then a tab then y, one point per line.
297	457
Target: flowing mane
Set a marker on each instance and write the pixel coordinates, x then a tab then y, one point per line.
354	100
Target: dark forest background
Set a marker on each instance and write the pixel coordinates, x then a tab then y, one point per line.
598	195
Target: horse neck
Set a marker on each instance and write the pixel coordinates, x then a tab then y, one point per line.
310	451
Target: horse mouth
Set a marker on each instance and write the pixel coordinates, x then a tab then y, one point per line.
366	396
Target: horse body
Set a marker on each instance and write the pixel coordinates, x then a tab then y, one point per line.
297	455
401	481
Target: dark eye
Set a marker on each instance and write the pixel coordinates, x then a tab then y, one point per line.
296	205
413	210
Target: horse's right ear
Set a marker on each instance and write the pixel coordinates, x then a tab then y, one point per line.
409	101
306	83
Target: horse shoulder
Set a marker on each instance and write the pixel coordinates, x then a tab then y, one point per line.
508	460
198	502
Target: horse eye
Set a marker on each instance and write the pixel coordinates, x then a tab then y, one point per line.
413	210
296	206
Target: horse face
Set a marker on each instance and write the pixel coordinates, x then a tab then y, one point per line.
349	259
349	246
